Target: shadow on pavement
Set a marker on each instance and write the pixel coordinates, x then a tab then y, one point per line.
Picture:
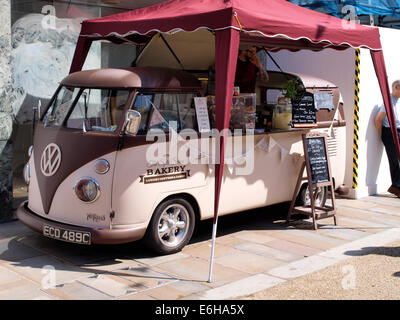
384	251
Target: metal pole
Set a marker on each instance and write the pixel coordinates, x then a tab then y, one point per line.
214	234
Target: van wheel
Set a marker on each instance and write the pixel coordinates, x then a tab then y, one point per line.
171	226
303	199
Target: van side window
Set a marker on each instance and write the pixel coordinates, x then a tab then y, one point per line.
167	105
162	110
143	104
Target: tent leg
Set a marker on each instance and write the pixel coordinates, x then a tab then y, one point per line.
214	234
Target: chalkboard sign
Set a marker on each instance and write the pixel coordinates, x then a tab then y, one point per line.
318	175
317	159
303	110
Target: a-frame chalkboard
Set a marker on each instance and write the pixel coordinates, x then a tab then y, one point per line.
316	162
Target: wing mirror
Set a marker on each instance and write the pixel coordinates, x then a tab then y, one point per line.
132	122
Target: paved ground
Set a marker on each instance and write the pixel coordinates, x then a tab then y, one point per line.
257	257
371	276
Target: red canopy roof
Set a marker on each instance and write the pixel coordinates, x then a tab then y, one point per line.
278	19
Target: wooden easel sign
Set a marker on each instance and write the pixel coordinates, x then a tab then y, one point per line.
318	175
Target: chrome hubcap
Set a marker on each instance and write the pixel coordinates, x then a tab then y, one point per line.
173	225
320	192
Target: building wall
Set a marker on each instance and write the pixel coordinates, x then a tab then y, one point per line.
37	43
5	112
374	176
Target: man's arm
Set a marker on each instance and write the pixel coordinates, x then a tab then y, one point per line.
263	73
378	121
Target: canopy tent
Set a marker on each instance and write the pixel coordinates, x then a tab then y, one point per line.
362	7
274	24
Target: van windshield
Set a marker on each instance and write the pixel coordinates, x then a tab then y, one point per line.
87	109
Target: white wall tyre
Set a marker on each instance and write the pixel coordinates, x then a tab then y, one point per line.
303	199
171	226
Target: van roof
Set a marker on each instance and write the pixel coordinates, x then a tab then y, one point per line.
135	77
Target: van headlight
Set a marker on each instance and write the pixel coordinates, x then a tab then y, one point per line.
87	190
27	173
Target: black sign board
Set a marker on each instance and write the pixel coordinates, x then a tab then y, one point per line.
317	159
318	175
303	110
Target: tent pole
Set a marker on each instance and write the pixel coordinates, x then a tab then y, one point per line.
214	235
226	53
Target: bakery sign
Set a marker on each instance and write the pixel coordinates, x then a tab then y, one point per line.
165	174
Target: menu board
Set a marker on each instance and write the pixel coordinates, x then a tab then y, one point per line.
318	159
203	121
323	100
303	110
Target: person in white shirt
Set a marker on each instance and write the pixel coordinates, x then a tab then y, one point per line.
382	124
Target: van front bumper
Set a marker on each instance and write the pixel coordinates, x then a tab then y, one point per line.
98	236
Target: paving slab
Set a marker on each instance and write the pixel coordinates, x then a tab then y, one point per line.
301	267
256	236
353	203
310	239
137	296
41	268
203	250
189	287
8	276
267	252
14	228
144	276
387	210
363	215
292	247
157	260
13	250
166	292
196	269
111	285
385	200
241	287
248	262
22	290
109	265
343	232
76	291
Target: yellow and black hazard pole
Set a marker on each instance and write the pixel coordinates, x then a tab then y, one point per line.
356	117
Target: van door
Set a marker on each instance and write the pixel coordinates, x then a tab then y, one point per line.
140	181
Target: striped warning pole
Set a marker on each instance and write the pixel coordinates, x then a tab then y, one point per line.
356	118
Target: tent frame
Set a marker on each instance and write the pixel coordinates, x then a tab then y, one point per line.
227	38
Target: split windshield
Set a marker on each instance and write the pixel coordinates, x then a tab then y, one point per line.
102	110
87	109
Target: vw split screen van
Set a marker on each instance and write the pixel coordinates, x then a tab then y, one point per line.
91	174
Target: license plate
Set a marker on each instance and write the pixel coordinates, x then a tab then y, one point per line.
73	236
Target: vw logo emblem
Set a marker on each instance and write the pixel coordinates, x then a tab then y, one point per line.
51	160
